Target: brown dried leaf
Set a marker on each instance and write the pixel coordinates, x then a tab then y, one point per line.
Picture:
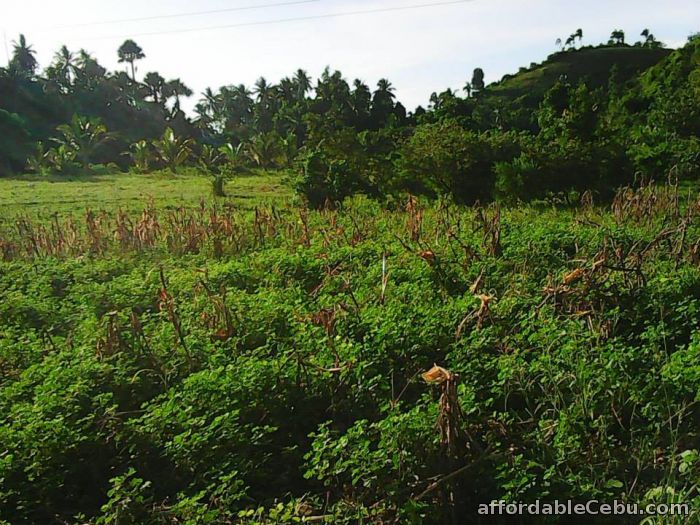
437	374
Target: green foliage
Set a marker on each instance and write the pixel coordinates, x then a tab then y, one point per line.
15	142
445	159
273	373
324	179
141	156
82	139
173	151
550	168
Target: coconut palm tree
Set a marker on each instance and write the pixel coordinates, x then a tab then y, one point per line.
130	52
88	70
265	150
208	110
361	102
478	84
617	37
62	69
176	88
154	84
468	89
263	90
649	39
303	83
287	90
385	87
382	103
23	62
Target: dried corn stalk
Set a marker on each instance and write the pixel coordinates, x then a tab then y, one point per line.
451	417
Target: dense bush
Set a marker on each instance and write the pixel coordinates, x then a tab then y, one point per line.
15	143
273	372
446	159
555	168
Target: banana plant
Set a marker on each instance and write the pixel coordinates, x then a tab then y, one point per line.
209	162
173	151
83	137
141	155
265	150
234	157
210	159
40	160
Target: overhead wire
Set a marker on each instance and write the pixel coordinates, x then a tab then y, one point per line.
182	15
286	20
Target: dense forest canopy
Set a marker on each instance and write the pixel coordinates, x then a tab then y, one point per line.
588	118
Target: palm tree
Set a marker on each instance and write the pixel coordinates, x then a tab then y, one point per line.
287	90
382	103
262	89
617	37
558	43
649	39
579	34
478	84
265	150
88	68
23	61
468	88
384	86
176	88
208	109
63	67
210	97
130	52
238	105
303	83
154	83
361	99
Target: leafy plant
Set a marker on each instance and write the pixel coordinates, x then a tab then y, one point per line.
82	137
173	151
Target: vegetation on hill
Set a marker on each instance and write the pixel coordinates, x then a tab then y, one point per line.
594	65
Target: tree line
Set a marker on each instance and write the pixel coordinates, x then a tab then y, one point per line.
344	137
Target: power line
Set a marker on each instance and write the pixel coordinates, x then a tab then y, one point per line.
181	15
285	20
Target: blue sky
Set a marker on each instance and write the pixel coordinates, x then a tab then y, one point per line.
419	50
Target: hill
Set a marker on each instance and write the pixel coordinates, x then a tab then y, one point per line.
592	64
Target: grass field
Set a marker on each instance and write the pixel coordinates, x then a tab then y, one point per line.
39	195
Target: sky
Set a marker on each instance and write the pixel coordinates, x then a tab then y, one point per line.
421	48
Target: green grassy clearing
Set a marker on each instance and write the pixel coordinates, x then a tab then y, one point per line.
36	195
